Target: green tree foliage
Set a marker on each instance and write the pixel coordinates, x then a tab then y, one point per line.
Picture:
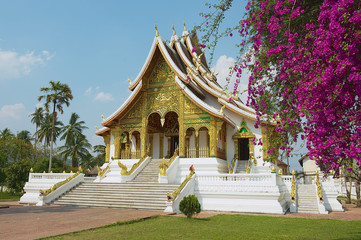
45	131
73	130
17	174
55	96
77	151
3	164
37	118
190	206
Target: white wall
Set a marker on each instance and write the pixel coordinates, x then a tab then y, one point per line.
203	138
156	145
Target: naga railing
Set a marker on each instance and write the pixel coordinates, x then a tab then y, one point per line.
172	196
125	172
57	185
319	189
163	166
293	187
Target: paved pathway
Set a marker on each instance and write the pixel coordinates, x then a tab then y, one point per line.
31	222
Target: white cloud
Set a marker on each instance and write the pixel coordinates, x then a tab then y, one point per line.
222	67
104	97
14	65
12	112
88	91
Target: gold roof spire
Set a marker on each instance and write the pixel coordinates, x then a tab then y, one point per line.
173	30
156	31
185	28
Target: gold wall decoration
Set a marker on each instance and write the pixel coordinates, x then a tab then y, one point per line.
107	147
161	73
117	141
190	107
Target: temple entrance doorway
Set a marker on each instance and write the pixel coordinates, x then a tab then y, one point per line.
243	149
174	144
163	134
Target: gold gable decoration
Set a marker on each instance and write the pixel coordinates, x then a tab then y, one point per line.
243	131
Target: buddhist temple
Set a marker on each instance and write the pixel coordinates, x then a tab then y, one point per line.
176	102
177	134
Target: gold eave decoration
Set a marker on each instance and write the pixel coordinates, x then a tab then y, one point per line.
243	131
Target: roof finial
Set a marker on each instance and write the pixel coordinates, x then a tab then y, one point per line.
173	30
185	28
130	82
156	31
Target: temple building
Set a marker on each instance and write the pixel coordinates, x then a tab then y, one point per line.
179	133
176	102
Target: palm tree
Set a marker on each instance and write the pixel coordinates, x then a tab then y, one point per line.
100	158
37	118
6	134
45	131
56	95
77	151
23	144
73	130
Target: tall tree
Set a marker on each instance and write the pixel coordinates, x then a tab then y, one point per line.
6	134
36	118
305	64
56	96
73	129
77	151
46	128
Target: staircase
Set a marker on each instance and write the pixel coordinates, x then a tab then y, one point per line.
241	166
307	199
150	172
144	192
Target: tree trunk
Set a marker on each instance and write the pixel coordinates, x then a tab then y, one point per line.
52	138
358	204
348	191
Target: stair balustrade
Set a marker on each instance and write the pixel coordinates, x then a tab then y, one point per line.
185	188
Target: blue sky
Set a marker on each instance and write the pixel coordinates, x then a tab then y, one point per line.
93	46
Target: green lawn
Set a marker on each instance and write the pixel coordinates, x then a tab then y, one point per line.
223	227
5	196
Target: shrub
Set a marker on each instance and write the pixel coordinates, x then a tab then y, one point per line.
190	206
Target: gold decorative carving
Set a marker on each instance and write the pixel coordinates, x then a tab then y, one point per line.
117	140
175	193
190	107
57	185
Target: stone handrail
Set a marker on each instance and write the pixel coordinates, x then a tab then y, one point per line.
170	172
126	175
243	178
319	189
163	166
46	176
293	188
103	173
47	196
185	188
125	172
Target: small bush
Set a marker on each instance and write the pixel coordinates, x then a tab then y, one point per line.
190	206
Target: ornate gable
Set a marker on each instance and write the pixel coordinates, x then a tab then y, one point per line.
243	131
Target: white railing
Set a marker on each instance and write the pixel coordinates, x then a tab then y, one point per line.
191	152
171	172
133	172
267	179
57	192
203	152
46	176
186	188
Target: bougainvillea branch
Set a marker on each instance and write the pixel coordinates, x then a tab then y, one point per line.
305	63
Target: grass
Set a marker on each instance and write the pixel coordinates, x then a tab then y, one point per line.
5	196
223	227
353	201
